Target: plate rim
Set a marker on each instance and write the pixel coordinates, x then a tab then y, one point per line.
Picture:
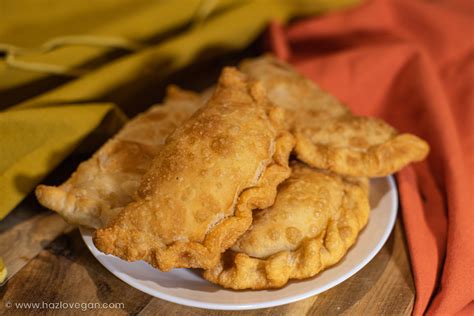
272	303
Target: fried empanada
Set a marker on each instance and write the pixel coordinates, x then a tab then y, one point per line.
328	136
197	197
315	219
104	184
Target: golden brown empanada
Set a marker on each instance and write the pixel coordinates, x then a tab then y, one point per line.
327	135
197	197
315	219
104	184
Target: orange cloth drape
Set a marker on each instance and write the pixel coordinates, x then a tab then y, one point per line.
410	62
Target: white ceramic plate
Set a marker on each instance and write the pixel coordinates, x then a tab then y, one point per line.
186	287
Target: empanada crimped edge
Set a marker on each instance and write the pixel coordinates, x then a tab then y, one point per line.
239	271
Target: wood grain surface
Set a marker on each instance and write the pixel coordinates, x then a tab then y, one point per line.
49	262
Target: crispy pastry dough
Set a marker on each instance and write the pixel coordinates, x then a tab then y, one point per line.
315	219
197	197
328	136
104	184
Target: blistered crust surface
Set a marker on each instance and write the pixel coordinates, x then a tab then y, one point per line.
315	219
104	184
197	197
328	136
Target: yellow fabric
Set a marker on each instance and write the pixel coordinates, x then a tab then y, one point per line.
164	36
3	271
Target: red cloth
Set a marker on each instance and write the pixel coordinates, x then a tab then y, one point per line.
410	62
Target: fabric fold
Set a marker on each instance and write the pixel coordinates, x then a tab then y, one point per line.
413	66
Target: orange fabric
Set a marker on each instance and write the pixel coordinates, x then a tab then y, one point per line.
410	62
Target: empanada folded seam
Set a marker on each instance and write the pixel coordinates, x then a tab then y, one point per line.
240	271
73	208
376	161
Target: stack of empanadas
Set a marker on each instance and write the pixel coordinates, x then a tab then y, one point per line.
217	189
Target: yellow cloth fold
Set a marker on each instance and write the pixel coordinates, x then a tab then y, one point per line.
38	133
34	141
